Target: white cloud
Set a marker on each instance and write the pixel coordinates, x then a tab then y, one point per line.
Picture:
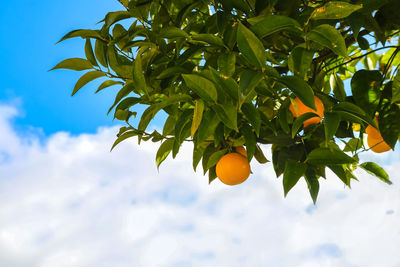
71	203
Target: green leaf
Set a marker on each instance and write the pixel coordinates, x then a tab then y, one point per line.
206	156
353	145
389	123
227	84
331	123
127	103
100	50
197	155
396	89
151	111
300	61
114	59
313	184
207	126
354	110
202	86
268	24
376	170
365	86
283	119
113	17
208	38
326	156
226	64
86	78
89	53
123	92
83	34
252	114
334	10
337	87
259	155
169	72
227	114
250	46
77	64
173	32
328	36
251	141
197	115
300	88
108	83
299	121
292	174
138	76
215	157
341	173
249	79
123	137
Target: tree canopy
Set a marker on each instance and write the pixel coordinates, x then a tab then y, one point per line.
226	73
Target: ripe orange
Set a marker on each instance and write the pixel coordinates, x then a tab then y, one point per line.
299	109
241	150
233	169
378	145
372	131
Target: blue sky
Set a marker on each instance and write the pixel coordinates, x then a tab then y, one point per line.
29	32
66	201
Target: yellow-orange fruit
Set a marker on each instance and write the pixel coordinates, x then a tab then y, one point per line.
373	132
299	109
378	145
233	169
241	150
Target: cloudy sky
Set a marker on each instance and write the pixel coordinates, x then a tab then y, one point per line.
66	201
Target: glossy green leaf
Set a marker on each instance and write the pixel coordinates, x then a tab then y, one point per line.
334	10
331	123
226	64
77	64
268	24
376	170
326	156
208	38
171	72
227	114
365	86
100	50
300	61
123	137
113	17
313	184
300	88
89	53
215	157
355	111
341	173
106	84
329	37
298	122
123	92
86	78
201	86
259	155
292	174
389	123
163	151
83	34
228	85
197	155
252	114
207	126
353	145
173	32
138	76
197	115
337	87
250	46
250	139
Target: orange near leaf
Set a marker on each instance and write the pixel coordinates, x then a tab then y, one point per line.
233	169
298	108
241	150
378	145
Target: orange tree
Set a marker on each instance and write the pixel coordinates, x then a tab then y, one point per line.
225	72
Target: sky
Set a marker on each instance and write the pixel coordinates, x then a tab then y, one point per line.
68	202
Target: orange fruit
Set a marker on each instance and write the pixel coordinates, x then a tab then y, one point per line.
241	150
378	145
372	131
233	169
298	109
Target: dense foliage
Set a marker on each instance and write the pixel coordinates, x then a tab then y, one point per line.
226	71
